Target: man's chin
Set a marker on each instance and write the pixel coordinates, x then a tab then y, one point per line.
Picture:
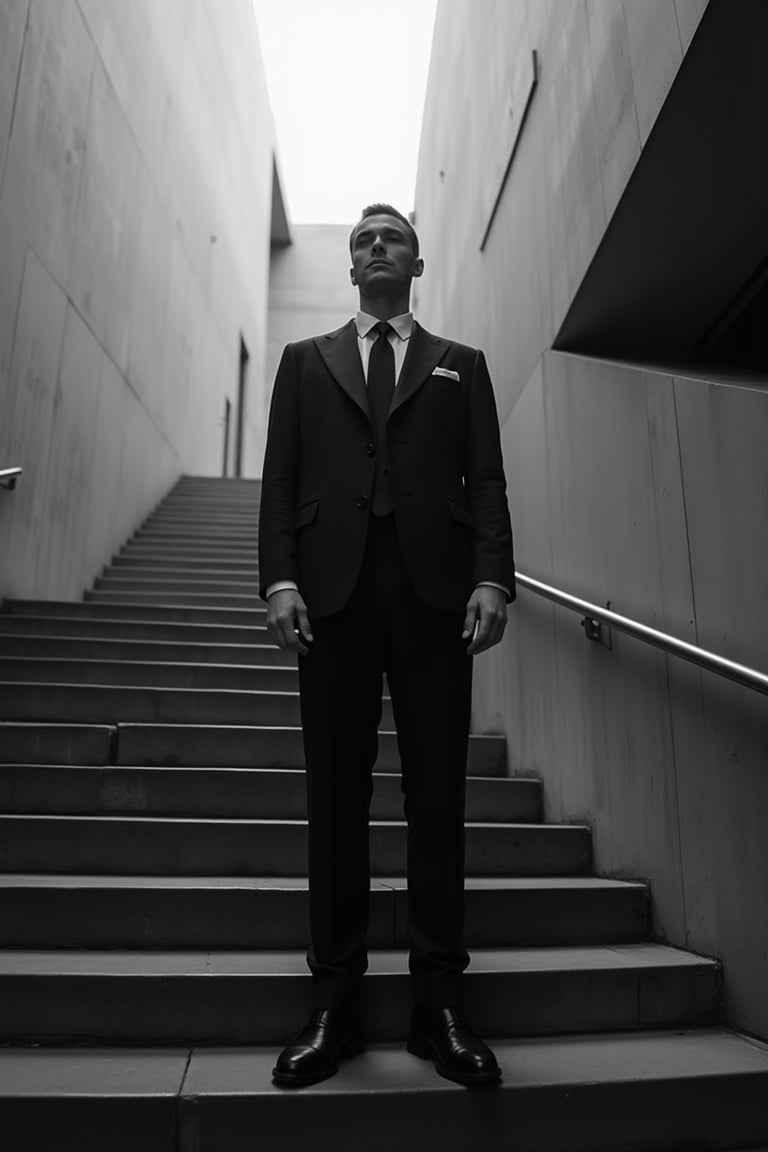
381	280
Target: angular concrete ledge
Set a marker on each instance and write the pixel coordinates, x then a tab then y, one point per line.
197	745
93	642
88	1101
109	703
156	912
88	744
161	673
228	601
646	1092
640	1092
128	610
247	793
637	1093
261	997
180	846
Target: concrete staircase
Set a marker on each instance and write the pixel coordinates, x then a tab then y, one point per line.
153	905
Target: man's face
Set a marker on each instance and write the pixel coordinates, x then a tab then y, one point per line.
383	261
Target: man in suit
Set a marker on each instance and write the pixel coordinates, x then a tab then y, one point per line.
385	547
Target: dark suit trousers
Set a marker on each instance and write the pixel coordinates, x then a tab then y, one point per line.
384	628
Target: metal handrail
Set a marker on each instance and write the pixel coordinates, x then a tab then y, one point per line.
594	615
9	476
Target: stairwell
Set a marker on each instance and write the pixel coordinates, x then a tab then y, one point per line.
153	905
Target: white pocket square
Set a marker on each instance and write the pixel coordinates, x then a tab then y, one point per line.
449	372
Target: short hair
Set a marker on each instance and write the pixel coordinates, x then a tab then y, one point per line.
386	210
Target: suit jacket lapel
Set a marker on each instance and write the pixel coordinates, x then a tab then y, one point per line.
340	352
425	352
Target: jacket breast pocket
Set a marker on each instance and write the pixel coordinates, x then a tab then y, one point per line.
306	514
460	514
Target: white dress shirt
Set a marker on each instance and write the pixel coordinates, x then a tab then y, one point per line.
402	327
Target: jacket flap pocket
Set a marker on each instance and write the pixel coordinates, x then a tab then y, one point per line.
460	513
306	514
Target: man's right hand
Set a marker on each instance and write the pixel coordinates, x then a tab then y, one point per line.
287	620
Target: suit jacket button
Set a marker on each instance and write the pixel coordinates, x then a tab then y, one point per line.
362	502
370	450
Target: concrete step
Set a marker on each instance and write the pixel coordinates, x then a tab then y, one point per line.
136	547
203	515
219	746
206	511
66	744
94	648
155	543
653	1091
128	562
94	703
119	845
247	997
196	746
244	528
175	598
242	792
159	631
129	610
208	517
147	912
166	584
161	673
192	531
185	540
215	571
223	483
210	499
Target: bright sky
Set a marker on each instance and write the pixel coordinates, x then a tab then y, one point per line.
346	82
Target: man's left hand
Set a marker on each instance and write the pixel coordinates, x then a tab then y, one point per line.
486	608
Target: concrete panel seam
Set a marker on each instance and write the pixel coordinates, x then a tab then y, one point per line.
685	510
634	101
679	33
15	97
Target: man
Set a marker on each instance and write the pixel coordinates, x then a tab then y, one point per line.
385	547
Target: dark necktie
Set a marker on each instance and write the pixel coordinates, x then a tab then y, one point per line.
381	389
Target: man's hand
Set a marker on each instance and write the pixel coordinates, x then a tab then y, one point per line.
287	620
486	608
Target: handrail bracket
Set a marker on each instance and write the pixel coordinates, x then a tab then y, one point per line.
598	631
9	477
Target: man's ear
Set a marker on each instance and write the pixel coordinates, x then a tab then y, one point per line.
418	266
352	276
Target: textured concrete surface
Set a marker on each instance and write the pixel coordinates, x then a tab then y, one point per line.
642	485
136	173
636	1092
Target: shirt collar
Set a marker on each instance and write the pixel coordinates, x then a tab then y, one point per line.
402	324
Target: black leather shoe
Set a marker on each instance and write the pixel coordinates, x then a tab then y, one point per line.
329	1036
443	1035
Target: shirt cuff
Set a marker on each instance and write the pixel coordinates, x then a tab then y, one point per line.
282	586
483	584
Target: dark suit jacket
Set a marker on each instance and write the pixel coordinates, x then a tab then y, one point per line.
445	473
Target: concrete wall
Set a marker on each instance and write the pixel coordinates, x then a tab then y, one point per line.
631	484
605	69
309	291
136	168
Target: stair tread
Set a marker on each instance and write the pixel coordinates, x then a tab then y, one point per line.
525	1063
292	883
257	629
383	1068
512	826
292	962
154	689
